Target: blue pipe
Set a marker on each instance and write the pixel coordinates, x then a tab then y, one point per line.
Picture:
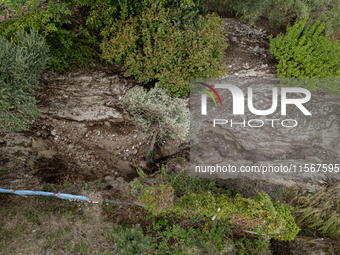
43	193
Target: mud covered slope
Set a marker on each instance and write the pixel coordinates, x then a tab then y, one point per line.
82	133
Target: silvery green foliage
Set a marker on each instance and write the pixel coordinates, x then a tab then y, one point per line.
20	66
155	111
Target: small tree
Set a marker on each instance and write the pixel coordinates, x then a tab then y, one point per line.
158	115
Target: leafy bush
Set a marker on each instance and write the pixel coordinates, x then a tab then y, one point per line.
210	239
257	246
104	15
259	212
70	46
75	28
130	240
306	52
154	112
20	68
152	47
184	184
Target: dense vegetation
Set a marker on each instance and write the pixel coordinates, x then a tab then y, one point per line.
212	214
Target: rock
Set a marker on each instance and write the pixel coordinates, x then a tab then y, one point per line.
46	154
40	144
113	182
120	179
110	180
125	170
90	113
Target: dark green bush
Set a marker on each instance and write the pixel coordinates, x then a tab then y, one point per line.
75	28
130	240
20	68
105	14
70	46
152	48
306	52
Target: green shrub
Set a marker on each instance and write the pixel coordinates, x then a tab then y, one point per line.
20	68
254	247
259	212
70	46
75	28
152	47
306	52
155	112
130	240
209	239
104	15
